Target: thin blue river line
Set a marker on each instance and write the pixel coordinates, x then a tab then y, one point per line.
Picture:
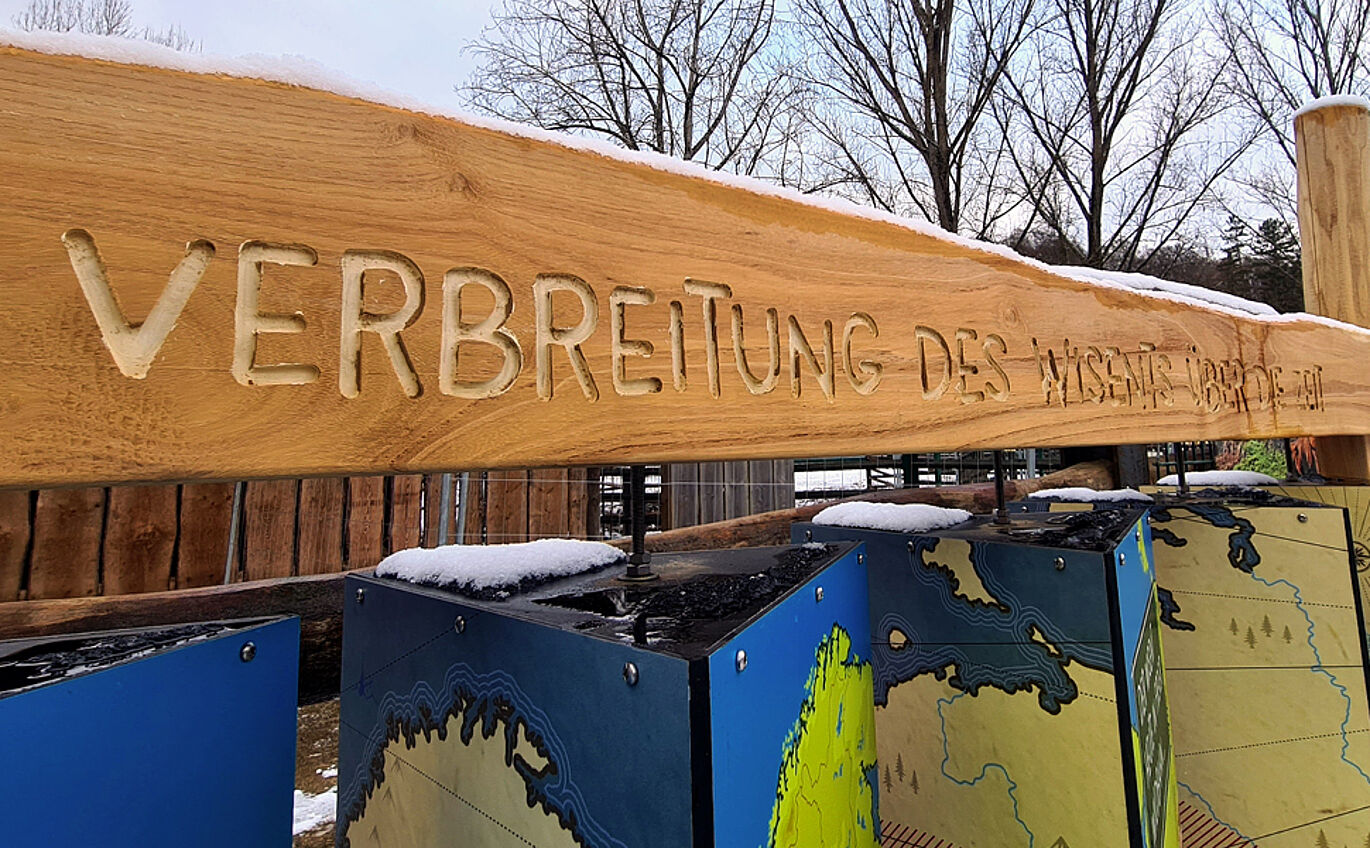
946	757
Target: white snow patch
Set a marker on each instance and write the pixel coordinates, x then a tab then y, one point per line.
900	518
1333	100
477	567
314	810
306	73
1081	494
327	773
1219	478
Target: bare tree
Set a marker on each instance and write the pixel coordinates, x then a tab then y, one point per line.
1116	143
98	17
698	79
1279	54
909	82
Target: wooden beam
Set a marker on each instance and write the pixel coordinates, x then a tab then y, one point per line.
318	224
1334	231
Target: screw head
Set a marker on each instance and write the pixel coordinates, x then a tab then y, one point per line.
1122	559
741	661
1139	532
1060	563
630	673
361	596
910	547
1303	518
860	559
818	594
808	535
247	652
460	624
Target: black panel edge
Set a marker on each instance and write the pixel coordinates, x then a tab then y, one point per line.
1132	792
701	756
1355	595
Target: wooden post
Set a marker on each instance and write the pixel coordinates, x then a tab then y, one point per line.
1334	228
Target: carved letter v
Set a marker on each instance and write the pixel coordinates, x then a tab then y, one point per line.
134	347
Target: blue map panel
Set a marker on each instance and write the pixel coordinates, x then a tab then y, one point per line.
1006	710
184	746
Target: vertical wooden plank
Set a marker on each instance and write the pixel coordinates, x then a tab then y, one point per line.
761	491
577	503
475	509
594	505
268	542
782	471
14	542
507	513
365	521
680	494
404	511
68	527
735	485
432	498
140	539
710	492
547	501
206	521
321	525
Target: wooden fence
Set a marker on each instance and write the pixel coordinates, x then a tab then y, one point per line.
119	540
703	492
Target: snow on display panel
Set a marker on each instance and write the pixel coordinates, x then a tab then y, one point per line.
1018	686
727	703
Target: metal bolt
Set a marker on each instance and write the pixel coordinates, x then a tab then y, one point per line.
1303	518
741	661
247	652
1139	532
818	594
808	535
460	624
1122	559
860	559
630	674
361	596
1060	563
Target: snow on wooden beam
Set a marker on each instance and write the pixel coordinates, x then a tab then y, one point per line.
207	276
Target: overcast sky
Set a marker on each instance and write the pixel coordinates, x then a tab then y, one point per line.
410	47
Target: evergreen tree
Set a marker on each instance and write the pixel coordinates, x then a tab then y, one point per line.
1266	628
1234	269
913	781
1233	627
1250	637
889	784
1289	637
899	766
1277	267
1322	840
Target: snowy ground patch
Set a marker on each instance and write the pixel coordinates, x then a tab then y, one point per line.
1219	478
487	568
900	518
1081	494
314	810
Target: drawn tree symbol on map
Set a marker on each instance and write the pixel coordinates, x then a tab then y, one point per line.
899	766
889	784
1233	627
1266	628
1060	843
913	781
1250	638
1322	841
1289	637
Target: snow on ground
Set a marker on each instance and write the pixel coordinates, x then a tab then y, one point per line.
314	810
1080	494
1219	478
296	71
900	518
480	567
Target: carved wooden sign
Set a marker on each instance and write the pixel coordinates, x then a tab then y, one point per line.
215	277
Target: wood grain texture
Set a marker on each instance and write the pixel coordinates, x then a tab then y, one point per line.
140	539
321	525
405	512
548	503
577	504
14	541
113	150
206	519
506	512
365	521
68	528
1333	158
268	541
